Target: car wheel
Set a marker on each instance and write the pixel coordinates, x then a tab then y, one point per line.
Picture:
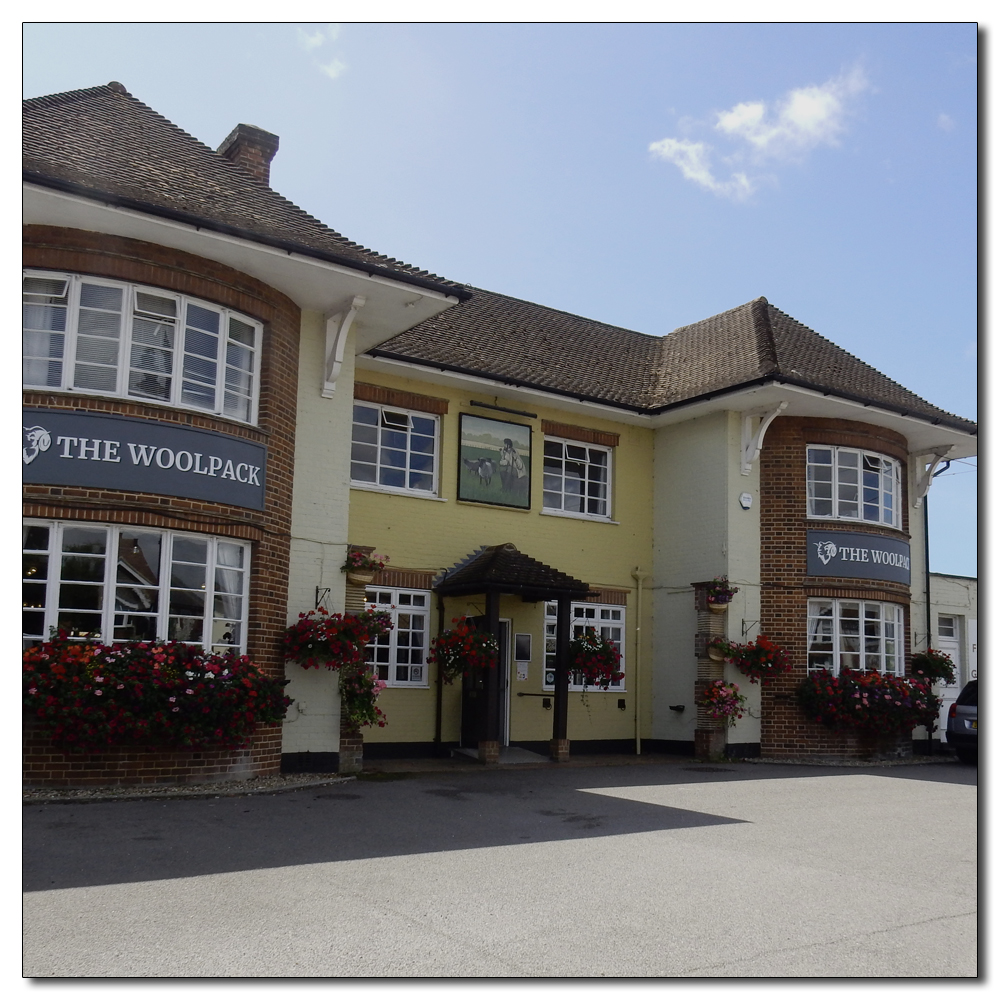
968	755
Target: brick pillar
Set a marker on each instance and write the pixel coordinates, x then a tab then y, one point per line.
709	734
559	750
351	748
489	752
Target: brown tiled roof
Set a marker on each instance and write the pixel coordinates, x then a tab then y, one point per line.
510	340
104	143
505	569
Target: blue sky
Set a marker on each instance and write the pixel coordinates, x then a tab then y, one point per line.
646	175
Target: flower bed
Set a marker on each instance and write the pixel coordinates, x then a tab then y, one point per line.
868	702
90	696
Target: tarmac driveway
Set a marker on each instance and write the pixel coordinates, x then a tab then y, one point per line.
678	870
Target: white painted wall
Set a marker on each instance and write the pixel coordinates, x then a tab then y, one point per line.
319	530
958	598
700	531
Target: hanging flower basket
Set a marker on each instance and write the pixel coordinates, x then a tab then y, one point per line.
932	665
717	649
463	649
719	593
338	642
361	567
723	701
595	658
760	660
868	702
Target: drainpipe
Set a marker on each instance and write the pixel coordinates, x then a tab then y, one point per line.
638	576
440	684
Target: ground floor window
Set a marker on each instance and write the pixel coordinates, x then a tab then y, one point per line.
855	635
400	658
608	620
123	584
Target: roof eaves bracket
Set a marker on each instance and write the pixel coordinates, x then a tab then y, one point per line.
338	326
752	441
922	480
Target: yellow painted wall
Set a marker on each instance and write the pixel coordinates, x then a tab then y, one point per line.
421	534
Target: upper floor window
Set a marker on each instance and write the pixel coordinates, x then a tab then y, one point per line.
108	337
576	478
607	620
400	657
394	449
855	635
853	485
123	584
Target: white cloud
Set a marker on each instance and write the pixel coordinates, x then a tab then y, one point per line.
804	119
945	122
786	130
334	68
693	160
310	40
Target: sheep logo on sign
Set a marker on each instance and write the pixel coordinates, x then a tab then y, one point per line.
38	439
826	551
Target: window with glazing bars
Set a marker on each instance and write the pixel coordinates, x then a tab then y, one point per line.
576	478
852	485
400	657
395	449
97	336
855	635
124	584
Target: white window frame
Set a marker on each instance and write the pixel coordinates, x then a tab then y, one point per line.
386	419
548	493
604	619
398	601
123	365
112	618
889	486
877	644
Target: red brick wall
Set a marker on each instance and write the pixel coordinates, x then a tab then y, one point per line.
45	766
267	530
785	587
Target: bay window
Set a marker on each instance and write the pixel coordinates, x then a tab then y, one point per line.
95	335
849	484
124	584
855	635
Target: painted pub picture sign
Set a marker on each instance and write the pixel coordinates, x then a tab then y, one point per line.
63	448
851	553
494	461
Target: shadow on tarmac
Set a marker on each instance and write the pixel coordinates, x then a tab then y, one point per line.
106	843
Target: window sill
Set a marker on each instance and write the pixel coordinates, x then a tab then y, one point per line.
830	519
392	491
593	518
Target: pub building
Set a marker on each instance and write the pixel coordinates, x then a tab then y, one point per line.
223	397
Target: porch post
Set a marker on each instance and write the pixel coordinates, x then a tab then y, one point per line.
559	747
489	745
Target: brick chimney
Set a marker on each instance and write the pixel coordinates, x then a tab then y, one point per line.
252	149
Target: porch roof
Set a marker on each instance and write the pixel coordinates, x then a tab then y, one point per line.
503	569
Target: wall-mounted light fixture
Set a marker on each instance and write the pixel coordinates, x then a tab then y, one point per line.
621	704
676	708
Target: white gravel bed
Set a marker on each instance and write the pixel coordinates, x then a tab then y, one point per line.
215	789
